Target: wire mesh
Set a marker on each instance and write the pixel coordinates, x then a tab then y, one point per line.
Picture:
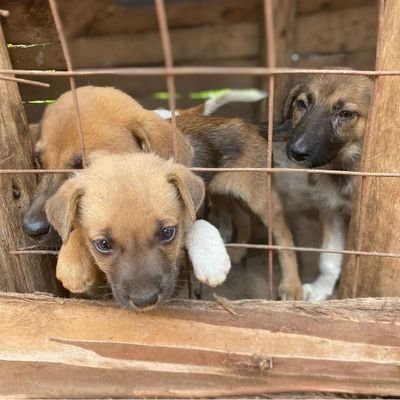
270	71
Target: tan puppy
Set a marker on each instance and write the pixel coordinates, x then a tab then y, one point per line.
134	213
113	122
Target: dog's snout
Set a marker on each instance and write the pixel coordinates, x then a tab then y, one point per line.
299	150
35	226
146	300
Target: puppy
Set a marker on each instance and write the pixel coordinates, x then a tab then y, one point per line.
329	115
115	123
134	214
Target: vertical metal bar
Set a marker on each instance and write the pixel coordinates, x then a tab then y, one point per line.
64	46
361	209
271	62
168	58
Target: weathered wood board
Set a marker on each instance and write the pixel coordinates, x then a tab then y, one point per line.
55	348
374	225
17	274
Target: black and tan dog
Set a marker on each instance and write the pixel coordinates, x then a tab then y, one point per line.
113	122
329	115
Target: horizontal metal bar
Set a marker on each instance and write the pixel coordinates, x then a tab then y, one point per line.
163	71
257	247
196	169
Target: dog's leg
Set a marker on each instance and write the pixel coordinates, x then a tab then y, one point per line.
76	269
242	222
334	236
242	185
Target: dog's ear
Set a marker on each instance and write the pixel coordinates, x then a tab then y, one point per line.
288	105
61	208
156	136
190	187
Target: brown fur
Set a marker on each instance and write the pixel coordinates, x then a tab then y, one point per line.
112	122
329	116
128	200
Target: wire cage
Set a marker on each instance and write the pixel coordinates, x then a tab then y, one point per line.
286	362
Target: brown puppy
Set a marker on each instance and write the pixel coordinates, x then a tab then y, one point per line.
115	123
329	115
134	213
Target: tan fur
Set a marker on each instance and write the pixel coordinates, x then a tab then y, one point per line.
128	199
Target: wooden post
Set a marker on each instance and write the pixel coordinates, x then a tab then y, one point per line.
60	348
25	273
375	223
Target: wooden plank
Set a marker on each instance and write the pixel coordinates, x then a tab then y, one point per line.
199	45
380	211
344	30
364	59
30	21
69	348
315	6
21	274
104	17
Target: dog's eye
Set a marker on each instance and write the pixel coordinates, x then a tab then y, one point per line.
345	114
167	234
102	246
77	162
301	104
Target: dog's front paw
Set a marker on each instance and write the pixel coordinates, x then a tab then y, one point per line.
290	290
207	253
316	292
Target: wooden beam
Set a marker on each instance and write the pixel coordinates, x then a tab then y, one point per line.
17	273
374	225
316	6
343	30
60	348
201	45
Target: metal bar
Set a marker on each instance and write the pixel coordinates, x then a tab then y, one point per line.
271	63
249	169
177	70
65	50
25	81
258	247
170	79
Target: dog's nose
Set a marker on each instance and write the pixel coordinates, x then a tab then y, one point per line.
36	227
145	301
298	151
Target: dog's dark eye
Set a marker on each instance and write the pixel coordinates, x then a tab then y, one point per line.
77	162
102	246
345	114
167	234
301	104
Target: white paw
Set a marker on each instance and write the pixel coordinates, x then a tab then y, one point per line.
316	292
207	253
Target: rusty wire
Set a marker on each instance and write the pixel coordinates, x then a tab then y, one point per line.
170	71
271	63
274	170
67	57
170	79
258	247
162	71
24	81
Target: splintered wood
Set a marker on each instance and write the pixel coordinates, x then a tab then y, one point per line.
69	348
